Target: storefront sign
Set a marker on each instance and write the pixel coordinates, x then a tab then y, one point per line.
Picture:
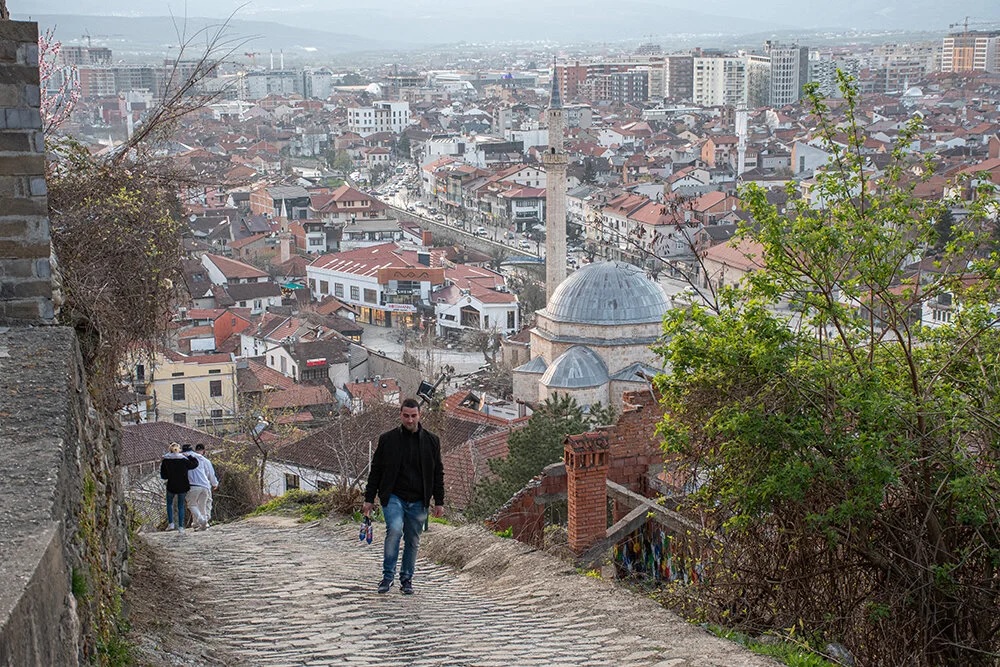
400	307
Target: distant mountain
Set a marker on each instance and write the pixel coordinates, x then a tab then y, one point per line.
449	21
158	36
394	24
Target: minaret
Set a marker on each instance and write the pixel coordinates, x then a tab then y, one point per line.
741	140
555	161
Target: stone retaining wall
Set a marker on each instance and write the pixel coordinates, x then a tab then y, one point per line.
63	536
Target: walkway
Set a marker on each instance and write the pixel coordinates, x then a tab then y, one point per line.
303	594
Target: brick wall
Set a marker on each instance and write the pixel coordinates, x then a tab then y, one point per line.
586	458
634	445
622	453
524	514
25	271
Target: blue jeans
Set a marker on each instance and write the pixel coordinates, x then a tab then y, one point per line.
402	520
180	507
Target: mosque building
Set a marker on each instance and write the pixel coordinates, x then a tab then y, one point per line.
592	340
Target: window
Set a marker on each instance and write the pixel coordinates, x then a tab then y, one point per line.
177	391
284	365
214	371
355	293
510	319
180	418
324	287
312	284
370	296
291	481
216	414
215	388
322	485
177	375
338	290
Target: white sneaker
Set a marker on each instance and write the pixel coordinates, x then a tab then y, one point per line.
170	526
203	524
180	530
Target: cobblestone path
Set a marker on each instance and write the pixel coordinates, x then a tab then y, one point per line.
282	593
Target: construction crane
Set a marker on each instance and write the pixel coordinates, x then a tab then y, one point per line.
964	25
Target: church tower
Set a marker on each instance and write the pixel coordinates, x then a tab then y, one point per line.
555	162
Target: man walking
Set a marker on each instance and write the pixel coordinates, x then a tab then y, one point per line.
202	480
406	471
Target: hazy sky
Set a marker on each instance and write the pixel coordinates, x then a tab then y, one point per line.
611	20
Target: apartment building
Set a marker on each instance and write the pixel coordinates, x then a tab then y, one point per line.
382	116
719	81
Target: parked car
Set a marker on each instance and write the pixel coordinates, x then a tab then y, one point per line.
524	243
480	231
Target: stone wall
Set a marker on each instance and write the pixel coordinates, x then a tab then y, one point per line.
25	282
62	521
63	538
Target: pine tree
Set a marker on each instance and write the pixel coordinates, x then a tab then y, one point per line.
531	448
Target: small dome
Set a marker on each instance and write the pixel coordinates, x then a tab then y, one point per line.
576	368
536	365
607	293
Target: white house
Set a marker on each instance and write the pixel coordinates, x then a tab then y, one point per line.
382	116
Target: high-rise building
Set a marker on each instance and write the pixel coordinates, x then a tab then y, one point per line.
719	81
678	74
84	55
789	72
758	80
823	71
971	51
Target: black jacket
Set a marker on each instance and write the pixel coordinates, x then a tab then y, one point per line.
174	468
389	455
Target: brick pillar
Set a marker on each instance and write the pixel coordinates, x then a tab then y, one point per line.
586	458
25	245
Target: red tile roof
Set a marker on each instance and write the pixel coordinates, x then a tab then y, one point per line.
298	396
233	269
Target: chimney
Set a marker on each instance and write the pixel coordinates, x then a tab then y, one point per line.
423	258
425	238
586	458
284	243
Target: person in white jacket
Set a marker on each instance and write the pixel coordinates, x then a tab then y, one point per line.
203	482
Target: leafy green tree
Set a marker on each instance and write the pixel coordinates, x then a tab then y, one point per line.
530	294
848	462
943	228
340	161
403	147
380	173
530	449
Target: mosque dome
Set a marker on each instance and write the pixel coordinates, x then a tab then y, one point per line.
577	368
610	293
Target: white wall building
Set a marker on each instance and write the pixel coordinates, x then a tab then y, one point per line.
380	117
719	81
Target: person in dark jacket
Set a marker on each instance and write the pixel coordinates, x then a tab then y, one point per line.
174	468
406	471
